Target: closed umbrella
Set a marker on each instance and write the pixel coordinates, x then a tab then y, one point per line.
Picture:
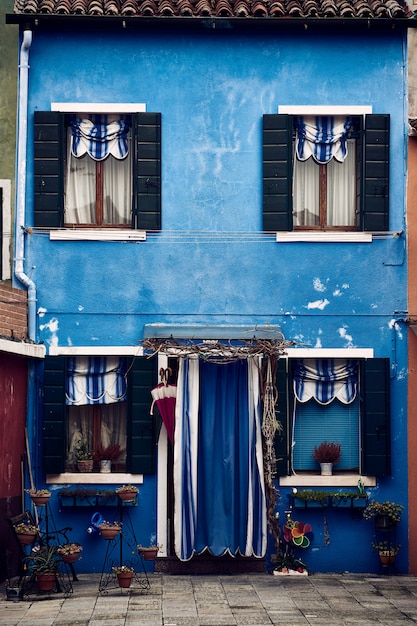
164	396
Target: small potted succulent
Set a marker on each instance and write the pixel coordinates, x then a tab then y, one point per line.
124	575
69	552
109	530
327	454
127	493
386	514
26	533
40	497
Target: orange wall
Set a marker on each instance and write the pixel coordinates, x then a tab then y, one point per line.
412	352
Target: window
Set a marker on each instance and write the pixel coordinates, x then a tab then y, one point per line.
97	170
104	400
346	189
346	401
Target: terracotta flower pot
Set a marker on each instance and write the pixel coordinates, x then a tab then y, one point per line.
85	466
127	496
70	558
109	532
386	557
26	538
40	500
149	554
46	582
125	579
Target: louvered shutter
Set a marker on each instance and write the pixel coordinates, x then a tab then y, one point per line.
277	173
147	171
141	444
375	187
281	438
54	412
376	432
48	178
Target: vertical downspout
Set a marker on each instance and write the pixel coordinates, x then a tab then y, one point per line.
21	158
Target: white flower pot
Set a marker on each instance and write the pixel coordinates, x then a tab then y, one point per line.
326	469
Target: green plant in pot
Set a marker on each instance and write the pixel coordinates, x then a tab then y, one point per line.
387	552
386	514
43	565
327	454
83	456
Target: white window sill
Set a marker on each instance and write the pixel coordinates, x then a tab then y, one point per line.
323	237
336	480
93	478
97	234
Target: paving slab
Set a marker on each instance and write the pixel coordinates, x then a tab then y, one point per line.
213	600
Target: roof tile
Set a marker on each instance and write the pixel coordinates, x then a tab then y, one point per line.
315	9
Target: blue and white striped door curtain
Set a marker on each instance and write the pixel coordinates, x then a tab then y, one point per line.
322	137
100	135
325	379
219	488
95	380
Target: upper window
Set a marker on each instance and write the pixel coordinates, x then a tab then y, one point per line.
325	172
97	170
339	400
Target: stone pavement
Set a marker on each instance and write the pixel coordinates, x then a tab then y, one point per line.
241	600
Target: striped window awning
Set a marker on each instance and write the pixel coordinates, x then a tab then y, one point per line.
322	137
99	136
325	380
95	380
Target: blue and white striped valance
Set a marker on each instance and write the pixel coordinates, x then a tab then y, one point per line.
98	136
95	380
322	137
325	379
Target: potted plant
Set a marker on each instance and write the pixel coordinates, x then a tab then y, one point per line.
387	514
127	493
124	575
83	456
105	456
40	497
26	533
148	553
69	552
44	566
386	552
109	530
327	453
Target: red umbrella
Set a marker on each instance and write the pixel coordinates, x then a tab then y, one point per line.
164	396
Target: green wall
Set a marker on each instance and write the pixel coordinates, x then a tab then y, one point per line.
8	91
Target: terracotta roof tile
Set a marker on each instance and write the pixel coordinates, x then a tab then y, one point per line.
314	9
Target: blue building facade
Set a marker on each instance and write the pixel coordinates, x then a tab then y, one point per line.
212	245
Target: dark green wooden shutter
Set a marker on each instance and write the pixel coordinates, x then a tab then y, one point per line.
54	411
141	443
48	169
147	171
376	435
281	438
277	173
375	187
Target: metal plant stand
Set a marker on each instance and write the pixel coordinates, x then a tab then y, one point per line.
123	550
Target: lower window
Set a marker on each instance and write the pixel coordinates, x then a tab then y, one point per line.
344	401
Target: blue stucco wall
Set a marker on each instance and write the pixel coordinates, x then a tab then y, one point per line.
211	263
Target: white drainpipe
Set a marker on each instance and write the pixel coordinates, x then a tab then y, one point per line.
21	157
